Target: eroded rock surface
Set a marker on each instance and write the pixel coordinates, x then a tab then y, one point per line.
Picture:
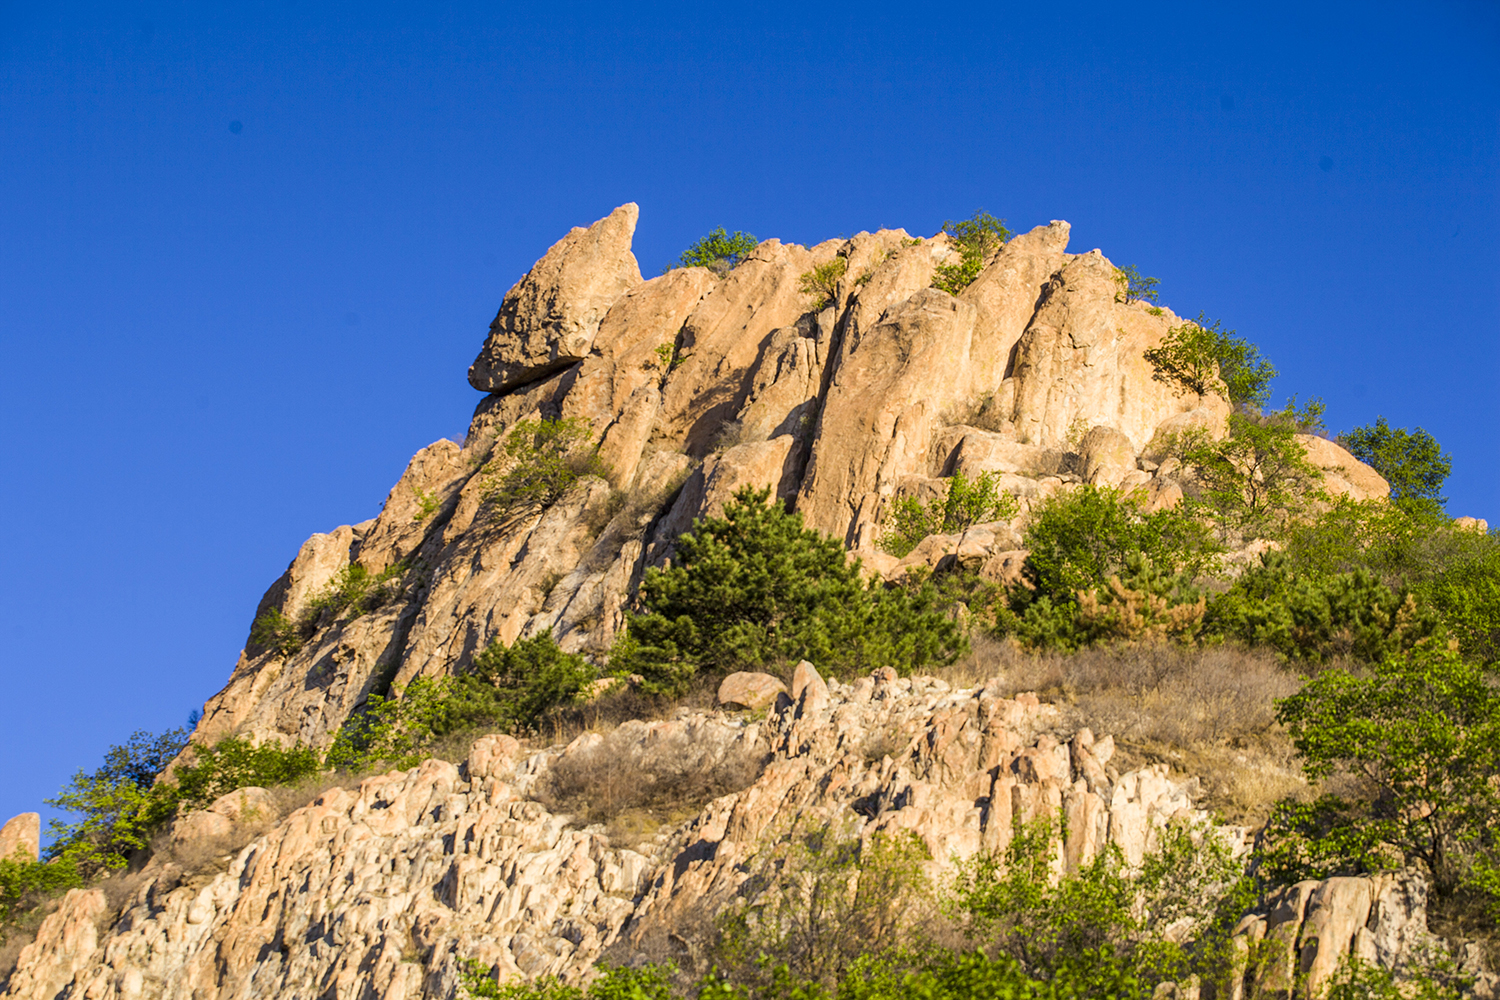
379	890
694	386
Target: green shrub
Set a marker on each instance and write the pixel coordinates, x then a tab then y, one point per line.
510	689
651	982
114	804
1314	618
24	883
755	589
962	505
1080	538
1202	357
822	282
354	591
427	503
543	459
234	763
719	251
1420	733
1257	482
1103	928
1135	287
1411	461
534	678
273	629
1133	568
975	238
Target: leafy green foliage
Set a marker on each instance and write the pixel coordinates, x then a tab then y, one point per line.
819	899
1314	617
975	238
354	591
965	503
1411	461
510	689
111	802
543	459
720	251
1421	733
533	678
822	282
652	982
274	629
1454	572
1202	357
1134	286
427	503
1103	925
236	763
1081	541
1258	481
756	589
24	883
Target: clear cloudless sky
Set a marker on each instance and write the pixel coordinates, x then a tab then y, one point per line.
247	251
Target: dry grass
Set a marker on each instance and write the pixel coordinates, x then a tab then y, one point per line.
637	785
1207	713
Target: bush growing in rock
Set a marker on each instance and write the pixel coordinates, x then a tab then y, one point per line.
962	505
543	460
1135	287
822	281
512	689
975	238
1203	357
755	589
720	251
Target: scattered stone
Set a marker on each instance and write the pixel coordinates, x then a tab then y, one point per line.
746	690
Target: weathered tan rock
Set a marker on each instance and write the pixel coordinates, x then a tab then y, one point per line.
1105	457
722	339
240	808
550	317
21	835
1343	474
618	386
744	689
66	944
1081	364
1478	524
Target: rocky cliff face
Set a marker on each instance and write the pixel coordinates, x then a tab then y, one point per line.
378	890
741	380
382	889
693	385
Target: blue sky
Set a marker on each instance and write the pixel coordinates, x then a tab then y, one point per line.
248	252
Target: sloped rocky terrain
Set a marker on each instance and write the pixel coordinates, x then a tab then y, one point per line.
693	385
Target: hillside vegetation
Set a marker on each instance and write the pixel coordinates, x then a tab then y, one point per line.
1290	619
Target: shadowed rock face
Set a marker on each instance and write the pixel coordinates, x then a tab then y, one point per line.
694	385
